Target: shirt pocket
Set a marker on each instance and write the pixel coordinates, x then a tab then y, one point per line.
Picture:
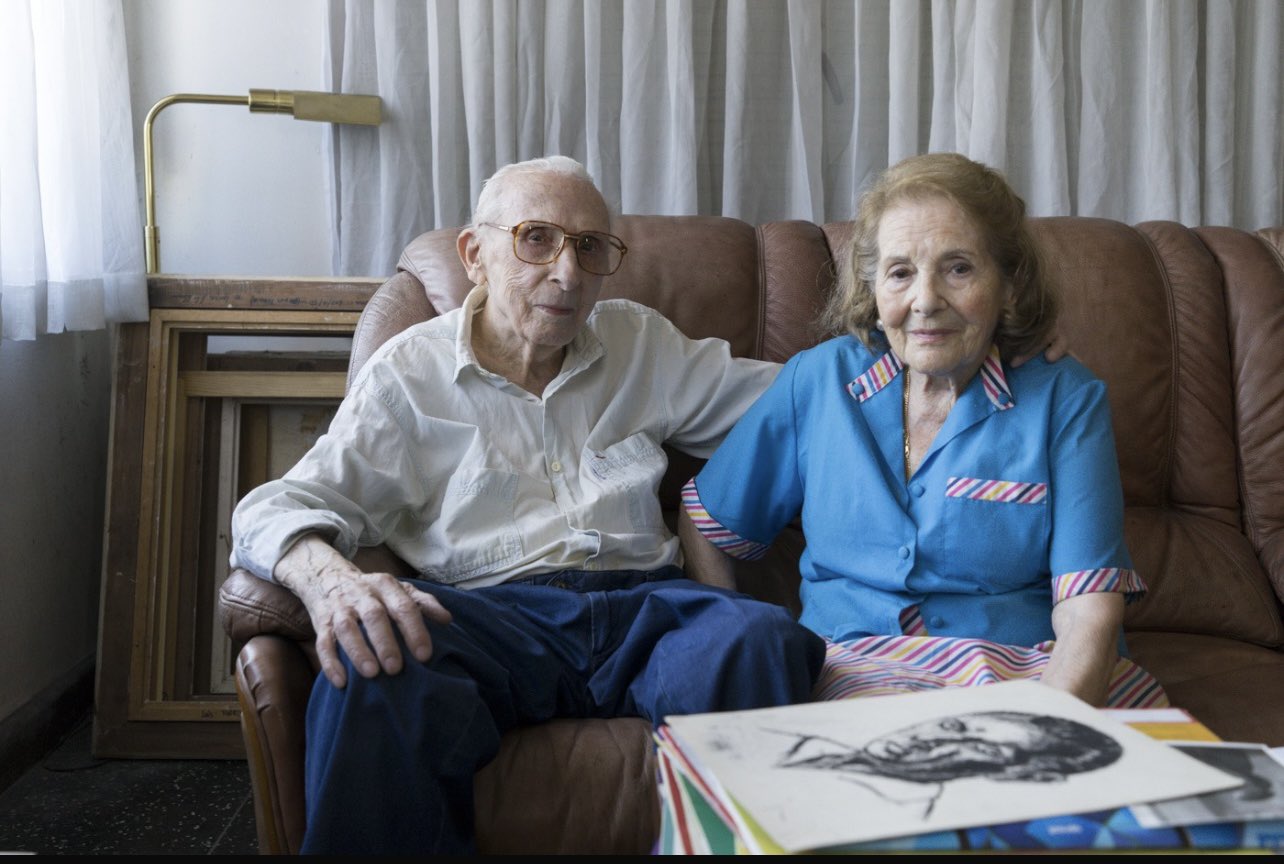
624	480
476	532
998	531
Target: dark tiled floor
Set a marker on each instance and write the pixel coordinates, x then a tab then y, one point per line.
73	804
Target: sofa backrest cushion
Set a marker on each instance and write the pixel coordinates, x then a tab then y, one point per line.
1253	273
705	273
1145	307
1175	320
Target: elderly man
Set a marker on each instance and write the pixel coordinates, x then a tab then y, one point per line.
509	451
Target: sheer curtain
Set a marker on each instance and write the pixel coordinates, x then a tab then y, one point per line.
71	257
1154	109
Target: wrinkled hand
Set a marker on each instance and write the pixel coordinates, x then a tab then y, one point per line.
341	599
1056	348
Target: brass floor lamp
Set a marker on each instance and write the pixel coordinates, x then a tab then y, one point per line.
302	104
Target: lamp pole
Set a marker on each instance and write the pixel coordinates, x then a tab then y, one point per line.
301	104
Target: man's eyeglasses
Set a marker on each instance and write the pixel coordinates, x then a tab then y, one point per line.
541	242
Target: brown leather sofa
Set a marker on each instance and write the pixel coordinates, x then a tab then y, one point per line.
1185	325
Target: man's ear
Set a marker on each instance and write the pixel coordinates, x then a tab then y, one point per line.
468	245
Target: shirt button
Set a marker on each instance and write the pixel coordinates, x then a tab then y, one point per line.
903	552
556	466
917	490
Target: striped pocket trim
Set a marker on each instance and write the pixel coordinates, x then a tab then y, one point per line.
1005	491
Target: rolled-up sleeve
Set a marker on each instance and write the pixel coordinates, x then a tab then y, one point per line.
703	390
361	462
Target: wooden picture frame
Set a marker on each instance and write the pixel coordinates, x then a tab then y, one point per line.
183	450
257	440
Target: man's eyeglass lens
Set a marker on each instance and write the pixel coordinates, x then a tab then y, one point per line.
541	243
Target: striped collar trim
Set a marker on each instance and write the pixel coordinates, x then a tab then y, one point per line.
889	366
995	382
876	378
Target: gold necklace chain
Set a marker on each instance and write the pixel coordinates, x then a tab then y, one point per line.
905	420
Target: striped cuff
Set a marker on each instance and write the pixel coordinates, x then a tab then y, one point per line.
1126	582
728	541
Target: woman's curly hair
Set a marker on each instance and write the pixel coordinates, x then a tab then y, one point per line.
1027	320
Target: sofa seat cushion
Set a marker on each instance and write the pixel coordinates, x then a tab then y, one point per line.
1203	577
1234	688
570	787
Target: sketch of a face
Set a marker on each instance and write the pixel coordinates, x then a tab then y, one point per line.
998	745
971	744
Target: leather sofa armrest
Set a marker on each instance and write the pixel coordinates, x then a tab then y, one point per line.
273	683
249	606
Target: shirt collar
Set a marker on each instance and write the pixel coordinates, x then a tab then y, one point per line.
464	356
583	350
889	366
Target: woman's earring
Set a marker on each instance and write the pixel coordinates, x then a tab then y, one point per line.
878	324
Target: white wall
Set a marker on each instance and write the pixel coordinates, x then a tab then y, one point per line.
238	194
53	433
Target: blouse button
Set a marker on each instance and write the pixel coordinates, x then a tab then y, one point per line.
903	552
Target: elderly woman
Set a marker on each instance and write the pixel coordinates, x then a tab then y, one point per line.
963	518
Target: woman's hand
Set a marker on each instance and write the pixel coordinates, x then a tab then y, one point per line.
341	599
1084	656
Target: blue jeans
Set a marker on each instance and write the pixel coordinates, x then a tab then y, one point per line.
390	760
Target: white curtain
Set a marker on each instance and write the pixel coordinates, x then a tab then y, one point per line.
783	109
71	250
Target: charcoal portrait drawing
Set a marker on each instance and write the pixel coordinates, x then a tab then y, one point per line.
920	760
832	773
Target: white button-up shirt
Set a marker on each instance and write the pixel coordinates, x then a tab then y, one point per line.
473	481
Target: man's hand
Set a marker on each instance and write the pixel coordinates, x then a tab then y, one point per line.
1057	348
341	598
